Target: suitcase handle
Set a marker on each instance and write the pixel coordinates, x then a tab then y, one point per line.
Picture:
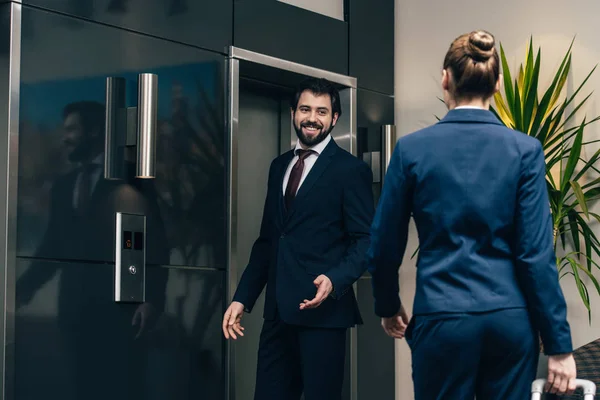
589	388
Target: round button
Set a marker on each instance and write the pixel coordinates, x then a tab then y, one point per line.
132	269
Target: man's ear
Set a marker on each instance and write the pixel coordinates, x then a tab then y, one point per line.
335	118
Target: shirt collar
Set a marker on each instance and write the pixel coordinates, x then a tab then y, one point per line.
318	148
468	108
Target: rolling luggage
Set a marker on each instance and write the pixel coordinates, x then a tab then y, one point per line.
589	389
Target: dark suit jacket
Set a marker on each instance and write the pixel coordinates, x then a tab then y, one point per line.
477	192
326	231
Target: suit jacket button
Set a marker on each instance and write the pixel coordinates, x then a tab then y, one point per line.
282	236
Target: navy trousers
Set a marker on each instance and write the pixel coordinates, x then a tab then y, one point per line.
491	356
293	360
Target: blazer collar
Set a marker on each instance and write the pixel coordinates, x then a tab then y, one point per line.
471	115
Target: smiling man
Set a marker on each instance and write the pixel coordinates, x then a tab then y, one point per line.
311	249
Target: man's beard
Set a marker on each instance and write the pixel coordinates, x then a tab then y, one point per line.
313	140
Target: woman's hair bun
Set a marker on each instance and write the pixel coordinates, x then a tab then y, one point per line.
481	45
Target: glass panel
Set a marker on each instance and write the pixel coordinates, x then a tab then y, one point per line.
62	136
73	342
203	23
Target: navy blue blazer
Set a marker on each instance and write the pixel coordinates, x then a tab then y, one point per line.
477	192
326	231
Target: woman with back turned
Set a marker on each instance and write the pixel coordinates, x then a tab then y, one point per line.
487	282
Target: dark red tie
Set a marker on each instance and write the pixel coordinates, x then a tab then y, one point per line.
295	176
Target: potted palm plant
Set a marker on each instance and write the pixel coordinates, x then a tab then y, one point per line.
553	120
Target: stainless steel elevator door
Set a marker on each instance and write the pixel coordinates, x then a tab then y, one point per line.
258	145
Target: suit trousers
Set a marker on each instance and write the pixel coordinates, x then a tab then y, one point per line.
460	356
294	359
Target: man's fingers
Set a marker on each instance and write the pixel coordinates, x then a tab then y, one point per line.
395	333
231	326
238	328
231	332
229	320
319	297
232	319
226	323
312	303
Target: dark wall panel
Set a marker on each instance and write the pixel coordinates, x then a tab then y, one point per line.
184	205
375	350
203	23
75	343
374	110
291	33
372	44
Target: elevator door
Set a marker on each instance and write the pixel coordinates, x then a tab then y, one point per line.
258	145
265	132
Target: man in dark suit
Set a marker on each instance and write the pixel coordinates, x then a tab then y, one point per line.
314	234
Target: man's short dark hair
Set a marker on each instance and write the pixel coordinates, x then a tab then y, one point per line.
92	114
318	86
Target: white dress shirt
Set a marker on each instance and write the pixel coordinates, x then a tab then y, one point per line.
468	108
308	161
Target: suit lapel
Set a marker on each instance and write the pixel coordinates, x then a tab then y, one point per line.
315	173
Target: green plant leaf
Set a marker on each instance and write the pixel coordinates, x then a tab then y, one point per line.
573	158
580	285
508	87
591	276
518	112
588	164
530	95
580	197
572	217
503	113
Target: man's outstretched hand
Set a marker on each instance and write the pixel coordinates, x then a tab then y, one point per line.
232	321
324	289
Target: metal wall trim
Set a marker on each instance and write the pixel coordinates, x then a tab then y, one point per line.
388	143
233	108
354	331
247	55
9	164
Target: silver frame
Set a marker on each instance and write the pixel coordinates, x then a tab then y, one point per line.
347	141
9	163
